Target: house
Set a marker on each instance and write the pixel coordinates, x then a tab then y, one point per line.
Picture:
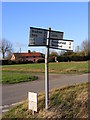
27	57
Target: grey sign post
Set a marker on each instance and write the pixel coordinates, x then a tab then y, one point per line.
50	39
46	71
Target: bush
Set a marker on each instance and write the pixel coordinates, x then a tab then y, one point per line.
3	62
72	58
40	61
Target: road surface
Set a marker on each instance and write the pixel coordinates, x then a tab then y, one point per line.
18	92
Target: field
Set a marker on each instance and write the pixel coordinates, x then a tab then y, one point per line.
63	67
67	102
25	72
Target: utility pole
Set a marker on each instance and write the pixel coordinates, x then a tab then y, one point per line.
20	50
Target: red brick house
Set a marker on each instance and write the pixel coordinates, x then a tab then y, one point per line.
30	56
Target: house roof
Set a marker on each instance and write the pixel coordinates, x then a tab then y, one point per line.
31	54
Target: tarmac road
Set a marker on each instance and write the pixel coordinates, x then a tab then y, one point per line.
18	92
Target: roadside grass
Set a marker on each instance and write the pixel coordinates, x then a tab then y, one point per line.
27	72
66	102
61	67
11	78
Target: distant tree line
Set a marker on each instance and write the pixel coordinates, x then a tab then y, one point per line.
69	56
9	62
82	53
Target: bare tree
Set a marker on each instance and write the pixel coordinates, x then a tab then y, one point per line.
61	52
77	49
5	48
84	47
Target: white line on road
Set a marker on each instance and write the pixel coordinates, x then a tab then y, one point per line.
5	108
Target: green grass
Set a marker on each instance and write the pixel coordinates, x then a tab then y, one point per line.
67	102
63	67
25	72
11	78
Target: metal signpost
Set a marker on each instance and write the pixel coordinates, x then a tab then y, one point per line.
62	44
46	70
50	39
38	36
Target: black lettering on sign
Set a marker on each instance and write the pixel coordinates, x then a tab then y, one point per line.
69	43
54	45
54	35
34	35
55	41
36	31
60	46
62	43
45	32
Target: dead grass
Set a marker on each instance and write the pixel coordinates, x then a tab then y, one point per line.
67	102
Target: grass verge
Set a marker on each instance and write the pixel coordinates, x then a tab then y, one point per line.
67	102
11	78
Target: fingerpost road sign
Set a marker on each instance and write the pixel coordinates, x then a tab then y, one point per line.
62	44
50	39
38	36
